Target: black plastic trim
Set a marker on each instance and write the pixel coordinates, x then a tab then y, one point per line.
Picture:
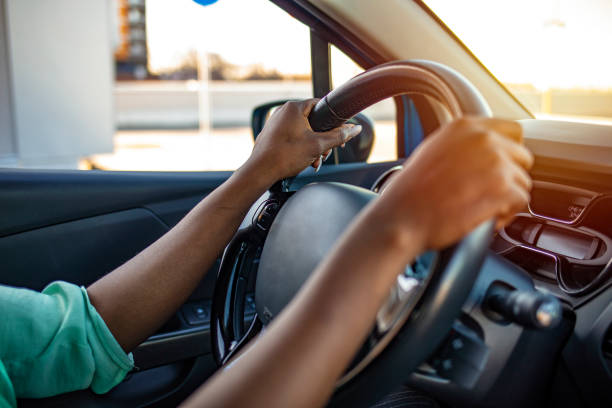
171	347
320	60
333	32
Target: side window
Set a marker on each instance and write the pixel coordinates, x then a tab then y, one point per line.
169	87
186	104
383	114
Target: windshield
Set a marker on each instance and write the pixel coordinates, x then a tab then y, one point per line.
553	55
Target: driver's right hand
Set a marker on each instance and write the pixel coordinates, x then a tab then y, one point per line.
470	170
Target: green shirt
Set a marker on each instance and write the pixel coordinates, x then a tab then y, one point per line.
55	342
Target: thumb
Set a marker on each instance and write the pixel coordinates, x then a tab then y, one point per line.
338	136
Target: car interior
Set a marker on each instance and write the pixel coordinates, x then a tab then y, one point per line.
527	320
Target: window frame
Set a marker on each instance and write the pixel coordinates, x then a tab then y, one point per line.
327	30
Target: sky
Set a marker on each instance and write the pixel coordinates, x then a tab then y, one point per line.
546	43
243	32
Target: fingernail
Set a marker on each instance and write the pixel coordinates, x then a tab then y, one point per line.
353	131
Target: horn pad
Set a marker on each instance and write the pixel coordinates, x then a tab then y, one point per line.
303	232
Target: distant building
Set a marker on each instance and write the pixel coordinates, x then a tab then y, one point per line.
131	57
56	86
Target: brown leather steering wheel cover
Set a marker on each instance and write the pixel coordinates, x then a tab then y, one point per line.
427	78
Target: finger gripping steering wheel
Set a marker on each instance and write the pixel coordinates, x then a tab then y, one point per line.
281	248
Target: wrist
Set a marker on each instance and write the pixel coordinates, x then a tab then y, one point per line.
257	173
399	234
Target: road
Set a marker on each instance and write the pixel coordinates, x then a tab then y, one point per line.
192	150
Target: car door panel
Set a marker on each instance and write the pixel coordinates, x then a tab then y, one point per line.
78	251
164	386
37	198
78	226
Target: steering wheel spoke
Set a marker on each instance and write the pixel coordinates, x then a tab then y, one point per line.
236	279
237	346
399	300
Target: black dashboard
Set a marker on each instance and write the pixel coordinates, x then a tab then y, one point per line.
564	240
560	245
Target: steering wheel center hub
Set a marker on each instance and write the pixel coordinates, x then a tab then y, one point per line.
304	231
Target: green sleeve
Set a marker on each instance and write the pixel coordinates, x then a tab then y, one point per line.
55	342
7	394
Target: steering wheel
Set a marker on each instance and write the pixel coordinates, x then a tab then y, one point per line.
279	248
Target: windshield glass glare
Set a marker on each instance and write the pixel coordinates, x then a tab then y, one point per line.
553	55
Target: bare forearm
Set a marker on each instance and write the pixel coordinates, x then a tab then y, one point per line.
308	346
139	296
136	298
